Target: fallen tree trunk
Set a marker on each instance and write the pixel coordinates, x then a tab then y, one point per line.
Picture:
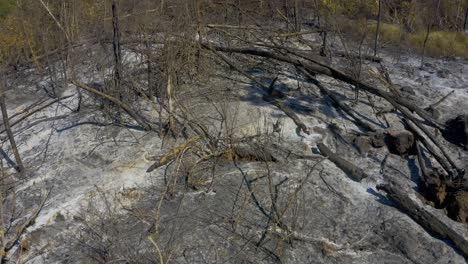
428	220
316	65
174	153
32	112
125	107
338	52
442	160
339	103
29	107
356	56
434	187
433	139
268	98
11	138
295	34
13	239
353	172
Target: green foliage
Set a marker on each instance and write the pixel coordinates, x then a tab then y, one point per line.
389	33
352	8
6	6
439	44
442	43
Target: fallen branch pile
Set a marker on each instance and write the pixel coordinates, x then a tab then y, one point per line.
427	219
422	128
311	65
418	120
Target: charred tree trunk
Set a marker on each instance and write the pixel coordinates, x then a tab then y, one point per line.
170	98
466	19
339	103
377	31
150	71
425	218
6	123
239	13
117	50
140	120
353	172
286	13
297	16
316	65
424	45
323	49
199	31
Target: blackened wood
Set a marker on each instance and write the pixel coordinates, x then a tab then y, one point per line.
353	172
434	224
316	65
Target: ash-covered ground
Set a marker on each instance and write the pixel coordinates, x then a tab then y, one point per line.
104	207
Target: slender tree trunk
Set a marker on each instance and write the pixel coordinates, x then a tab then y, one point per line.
430	24
316	12
226	14
240	17
149	70
198	10
117	50
239	13
3	194
297	16
323	49
428	31
170	96
6	123
377	31
466	19
437	14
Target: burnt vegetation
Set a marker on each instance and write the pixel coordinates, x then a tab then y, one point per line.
182	71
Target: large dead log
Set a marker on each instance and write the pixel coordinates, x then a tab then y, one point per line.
442	160
456	170
434	187
353	172
434	224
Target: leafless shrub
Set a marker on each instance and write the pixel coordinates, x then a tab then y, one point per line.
105	234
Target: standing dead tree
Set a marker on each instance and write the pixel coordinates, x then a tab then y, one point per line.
432	16
117	52
377	31
465	22
6	123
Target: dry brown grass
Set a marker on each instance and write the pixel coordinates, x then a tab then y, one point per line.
440	43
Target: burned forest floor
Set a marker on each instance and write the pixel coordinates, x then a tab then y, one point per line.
272	158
